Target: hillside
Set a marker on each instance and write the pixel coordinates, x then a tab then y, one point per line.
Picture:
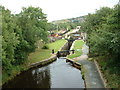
76	19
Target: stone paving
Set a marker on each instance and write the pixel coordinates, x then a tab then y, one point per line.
91	74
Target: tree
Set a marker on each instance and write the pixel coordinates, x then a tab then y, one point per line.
20	33
9	38
104	33
103	29
33	27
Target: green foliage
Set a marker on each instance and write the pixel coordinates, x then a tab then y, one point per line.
103	29
52	27
9	38
62	26
67	26
45	47
112	78
20	32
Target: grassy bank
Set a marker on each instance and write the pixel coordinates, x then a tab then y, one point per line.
38	55
111	74
77	47
41	54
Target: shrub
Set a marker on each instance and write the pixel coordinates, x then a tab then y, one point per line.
45	47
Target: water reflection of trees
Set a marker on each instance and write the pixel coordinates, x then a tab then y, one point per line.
35	78
41	77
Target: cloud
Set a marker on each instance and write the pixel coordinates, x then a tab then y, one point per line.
59	9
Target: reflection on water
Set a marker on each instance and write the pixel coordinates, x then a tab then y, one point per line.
35	78
64	75
56	75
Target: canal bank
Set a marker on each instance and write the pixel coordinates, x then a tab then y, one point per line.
90	72
66	46
42	62
37	60
58	74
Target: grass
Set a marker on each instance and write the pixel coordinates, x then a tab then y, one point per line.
57	45
77	54
78	45
112	78
38	56
41	54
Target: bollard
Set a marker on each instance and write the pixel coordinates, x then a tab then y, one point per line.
52	51
73	51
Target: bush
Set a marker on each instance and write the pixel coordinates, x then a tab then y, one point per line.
45	47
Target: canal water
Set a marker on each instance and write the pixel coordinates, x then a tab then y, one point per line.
58	74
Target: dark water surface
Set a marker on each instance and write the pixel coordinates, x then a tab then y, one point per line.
58	74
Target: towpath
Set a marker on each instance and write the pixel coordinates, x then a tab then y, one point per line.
93	78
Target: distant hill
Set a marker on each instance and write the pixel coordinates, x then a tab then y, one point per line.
76	19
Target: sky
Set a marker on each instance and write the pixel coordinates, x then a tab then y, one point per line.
59	9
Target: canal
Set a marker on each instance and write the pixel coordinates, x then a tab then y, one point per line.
58	74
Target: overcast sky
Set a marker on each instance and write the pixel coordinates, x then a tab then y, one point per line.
59	9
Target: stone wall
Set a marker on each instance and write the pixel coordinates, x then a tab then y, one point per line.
44	62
